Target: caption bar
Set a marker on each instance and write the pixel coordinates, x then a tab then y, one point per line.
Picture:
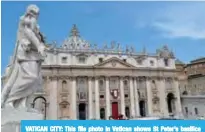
112	126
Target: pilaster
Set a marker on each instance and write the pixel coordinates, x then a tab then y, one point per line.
107	94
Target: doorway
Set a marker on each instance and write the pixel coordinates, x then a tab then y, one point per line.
170	102
142	108
82	111
115	110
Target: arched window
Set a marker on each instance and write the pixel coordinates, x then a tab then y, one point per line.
166	62
127	112
64	86
170	102
102	113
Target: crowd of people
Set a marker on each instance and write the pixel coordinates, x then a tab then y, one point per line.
119	117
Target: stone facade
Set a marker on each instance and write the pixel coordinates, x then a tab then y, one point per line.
85	82
192	88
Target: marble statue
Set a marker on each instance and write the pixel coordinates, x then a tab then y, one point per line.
131	49
105	46
118	47
113	44
25	75
127	49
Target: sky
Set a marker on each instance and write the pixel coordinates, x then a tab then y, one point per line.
180	25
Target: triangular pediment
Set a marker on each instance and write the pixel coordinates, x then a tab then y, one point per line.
114	62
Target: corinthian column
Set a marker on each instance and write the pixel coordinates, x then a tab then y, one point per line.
149	96
178	101
73	99
162	91
136	98
90	100
97	100
53	105
107	98
132	98
122	96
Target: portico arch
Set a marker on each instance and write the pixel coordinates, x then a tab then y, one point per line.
142	108
170	102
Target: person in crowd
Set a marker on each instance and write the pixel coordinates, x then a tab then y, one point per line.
111	118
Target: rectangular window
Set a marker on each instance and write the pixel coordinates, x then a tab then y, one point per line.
64	59
152	63
100	60
186	110
126	95
101	96
82	60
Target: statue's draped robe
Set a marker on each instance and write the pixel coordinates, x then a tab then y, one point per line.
25	77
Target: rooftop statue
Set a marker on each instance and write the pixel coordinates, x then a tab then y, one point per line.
118	47
165	52
113	45
25	74
105	46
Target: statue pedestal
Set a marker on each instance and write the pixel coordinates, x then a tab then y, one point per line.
11	118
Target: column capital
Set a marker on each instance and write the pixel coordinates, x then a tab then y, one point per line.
160	78
53	77
168	78
135	78
107	77
148	78
175	78
90	77
97	77
71	78
64	77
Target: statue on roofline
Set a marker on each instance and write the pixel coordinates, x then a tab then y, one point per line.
113	45
127	48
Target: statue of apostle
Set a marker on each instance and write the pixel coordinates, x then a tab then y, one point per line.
25	74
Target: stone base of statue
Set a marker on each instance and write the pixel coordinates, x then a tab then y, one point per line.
11	118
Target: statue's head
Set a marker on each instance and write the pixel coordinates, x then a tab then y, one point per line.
33	10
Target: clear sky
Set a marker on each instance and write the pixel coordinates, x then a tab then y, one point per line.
180	25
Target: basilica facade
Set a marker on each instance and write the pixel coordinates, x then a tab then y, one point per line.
83	81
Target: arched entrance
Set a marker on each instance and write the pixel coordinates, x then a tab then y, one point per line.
44	102
82	111
127	112
170	102
142	108
102	113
